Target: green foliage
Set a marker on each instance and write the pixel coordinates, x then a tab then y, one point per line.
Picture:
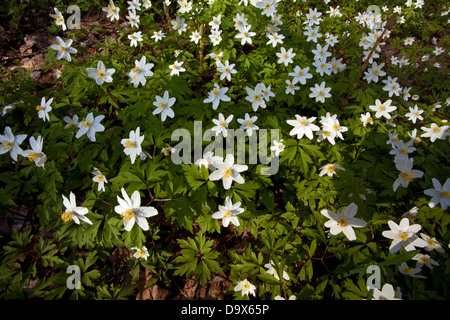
282	243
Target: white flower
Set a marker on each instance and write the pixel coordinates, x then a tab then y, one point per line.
333	127
222	124
407	173
344	221
90	126
158	35
245	34
303	126
141	253
386	293
73	212
59	19
100	179
285	56
44	108
131	211
226	69
374	72
245	287
195	37
133	144
414	114
277	147
228	172
140	72
435	132
135	37
291	297
228	212
64	49
275	39
366	118
185	6
176	68
330	169
164	105
432	243
440	194
36	154
134	5
271	270
248	124
216	95
320	92
403	235
322	66
382	109
101	74
10	143
300	75
133	18
112	12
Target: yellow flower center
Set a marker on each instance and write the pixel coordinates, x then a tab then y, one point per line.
62	48
376	72
223	124
342	222
39	108
59	20
320	93
331	168
404	151
303	122
406	176
129	144
424	260
403	236
127	214
431	242
67	216
445	194
101	74
6	145
396	139
227	214
227	173
166	151
216	91
245	287
336	126
369	119
382	107
326	133
437	129
249	123
136	70
32	156
86	123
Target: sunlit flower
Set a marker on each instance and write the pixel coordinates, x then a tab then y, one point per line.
320	92
277	147
64	49
285	56
440	194
245	34
382	109
300	75
330	169
36	154
432	243
141	253
435	132
135	37
133	18
131	211
112	12
133	144
158	35
366	118
386	293
245	287
44	108
226	69
176	68
228	212
59	19
403	235
344	221
100	179
303	126
208	160
73	212
10	143
228	172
